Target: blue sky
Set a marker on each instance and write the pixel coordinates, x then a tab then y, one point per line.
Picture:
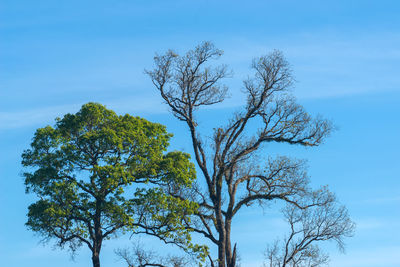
57	55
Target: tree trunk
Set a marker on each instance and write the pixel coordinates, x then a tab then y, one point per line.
95	259
229	254
221	240
221	253
98	235
96	251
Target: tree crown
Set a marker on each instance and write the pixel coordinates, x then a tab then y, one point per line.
98	173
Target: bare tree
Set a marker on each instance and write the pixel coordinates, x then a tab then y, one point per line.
231	178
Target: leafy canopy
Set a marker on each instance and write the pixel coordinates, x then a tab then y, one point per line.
97	174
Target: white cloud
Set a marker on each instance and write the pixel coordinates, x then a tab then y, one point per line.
383	200
46	115
369	224
328	64
378	224
134	105
377	257
17	119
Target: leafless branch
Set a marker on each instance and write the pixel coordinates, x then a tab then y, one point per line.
328	222
139	257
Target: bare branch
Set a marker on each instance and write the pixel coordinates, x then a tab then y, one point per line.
139	257
328	222
234	179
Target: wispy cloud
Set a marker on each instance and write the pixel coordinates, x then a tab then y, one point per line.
46	115
378	224
383	200
370	224
136	105
329	64
384	256
325	64
29	117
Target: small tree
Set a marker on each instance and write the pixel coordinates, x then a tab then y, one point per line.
98	174
231	178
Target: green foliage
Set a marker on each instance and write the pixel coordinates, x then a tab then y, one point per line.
98	174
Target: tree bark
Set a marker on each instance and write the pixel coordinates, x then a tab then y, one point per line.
221	242
230	261
98	235
96	253
95	259
221	252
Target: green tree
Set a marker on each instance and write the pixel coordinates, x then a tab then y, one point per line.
98	174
